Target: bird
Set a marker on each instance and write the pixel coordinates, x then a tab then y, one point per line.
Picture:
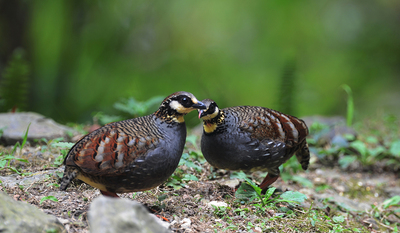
252	138
132	155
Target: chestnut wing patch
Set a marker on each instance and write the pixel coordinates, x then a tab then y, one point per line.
110	152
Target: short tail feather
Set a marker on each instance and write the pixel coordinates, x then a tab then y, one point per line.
303	155
69	174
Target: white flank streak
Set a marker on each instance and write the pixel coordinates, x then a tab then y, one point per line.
279	126
131	142
272	117
99	156
294	130
141	144
119	162
266	119
100	152
120	139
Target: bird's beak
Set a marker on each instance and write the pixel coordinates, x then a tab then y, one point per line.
200	112
199	105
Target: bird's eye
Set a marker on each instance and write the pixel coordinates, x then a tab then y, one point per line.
185	101
211	108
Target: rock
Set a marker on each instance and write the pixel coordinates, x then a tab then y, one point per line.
231	183
109	215
329	121
217	204
344	202
14	126
26	181
17	216
185	223
393	191
333	131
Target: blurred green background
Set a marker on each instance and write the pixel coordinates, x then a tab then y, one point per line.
69	59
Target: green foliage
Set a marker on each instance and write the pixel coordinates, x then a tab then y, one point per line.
94	42
130	108
293	196
395	148
388	209
220	211
5	162
367	150
393	201
138	108
249	191
292	167
56	146
350	104
14	83
6	159
189	165
51	198
325	223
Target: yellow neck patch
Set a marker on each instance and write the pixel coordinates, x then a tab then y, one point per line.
179	119
209	127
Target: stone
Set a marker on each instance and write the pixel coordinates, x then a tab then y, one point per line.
335	130
14	126
217	204
108	215
185	223
26	181
344	202
17	216
231	183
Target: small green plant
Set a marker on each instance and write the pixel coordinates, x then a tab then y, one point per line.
220	211
5	160
350	105
51	198
249	191
389	209
65	148
189	161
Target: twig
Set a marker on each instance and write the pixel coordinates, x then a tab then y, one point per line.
389	227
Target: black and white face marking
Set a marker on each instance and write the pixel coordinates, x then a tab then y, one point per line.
211	111
184	104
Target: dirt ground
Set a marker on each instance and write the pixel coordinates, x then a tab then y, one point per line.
356	194
190	203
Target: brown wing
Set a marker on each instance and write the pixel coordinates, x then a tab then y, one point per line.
267	123
113	148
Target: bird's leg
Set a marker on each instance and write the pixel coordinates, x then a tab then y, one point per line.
268	180
109	194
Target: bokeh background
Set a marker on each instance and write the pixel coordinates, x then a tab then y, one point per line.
69	59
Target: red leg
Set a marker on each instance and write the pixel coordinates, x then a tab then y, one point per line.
268	180
109	194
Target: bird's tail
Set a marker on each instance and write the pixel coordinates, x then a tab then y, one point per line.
70	173
303	155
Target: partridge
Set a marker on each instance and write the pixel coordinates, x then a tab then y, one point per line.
252	138
132	155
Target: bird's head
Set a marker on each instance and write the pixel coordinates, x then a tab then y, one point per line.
178	104
211	111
